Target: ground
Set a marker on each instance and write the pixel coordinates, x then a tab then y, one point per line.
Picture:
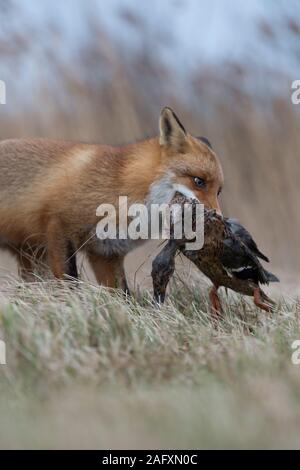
88	368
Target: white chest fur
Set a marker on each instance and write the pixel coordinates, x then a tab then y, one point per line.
161	192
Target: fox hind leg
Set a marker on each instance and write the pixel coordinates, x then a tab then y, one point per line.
26	265
25	259
33	263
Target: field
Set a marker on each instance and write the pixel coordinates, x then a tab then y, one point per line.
87	368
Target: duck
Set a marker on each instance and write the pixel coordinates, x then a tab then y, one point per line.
229	257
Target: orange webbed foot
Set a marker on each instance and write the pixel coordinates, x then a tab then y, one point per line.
216	306
259	302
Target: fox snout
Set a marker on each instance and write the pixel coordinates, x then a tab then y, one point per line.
216	206
210	201
211	205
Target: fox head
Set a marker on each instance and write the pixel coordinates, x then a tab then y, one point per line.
188	163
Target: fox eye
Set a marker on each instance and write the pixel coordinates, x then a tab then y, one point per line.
219	192
199	182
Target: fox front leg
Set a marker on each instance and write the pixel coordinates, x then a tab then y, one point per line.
71	265
163	267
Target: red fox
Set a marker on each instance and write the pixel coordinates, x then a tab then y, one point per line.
50	190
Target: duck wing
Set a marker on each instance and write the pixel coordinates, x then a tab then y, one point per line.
241	262
237	229
271	277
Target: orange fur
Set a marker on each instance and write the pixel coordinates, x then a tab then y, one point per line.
49	190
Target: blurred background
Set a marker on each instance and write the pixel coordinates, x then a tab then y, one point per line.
100	71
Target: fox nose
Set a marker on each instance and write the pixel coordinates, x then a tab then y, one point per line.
211	204
215	205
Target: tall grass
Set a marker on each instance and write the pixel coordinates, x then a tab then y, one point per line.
87	368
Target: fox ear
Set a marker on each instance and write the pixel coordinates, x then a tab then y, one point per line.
172	132
205	141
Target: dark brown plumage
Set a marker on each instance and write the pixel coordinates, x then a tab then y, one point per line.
229	258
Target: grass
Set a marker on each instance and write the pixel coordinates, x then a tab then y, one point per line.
87	368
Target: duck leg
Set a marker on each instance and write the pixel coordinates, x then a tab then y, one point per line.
216	307
259	302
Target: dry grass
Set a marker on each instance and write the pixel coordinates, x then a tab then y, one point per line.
87	368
